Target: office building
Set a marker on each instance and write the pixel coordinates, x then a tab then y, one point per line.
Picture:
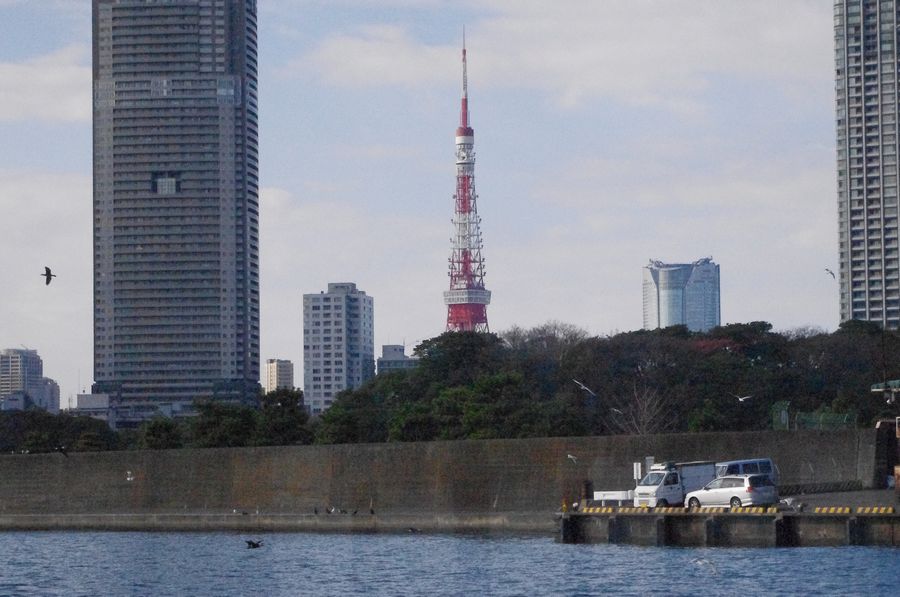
338	343
866	70
393	358
682	294
176	210
279	375
22	380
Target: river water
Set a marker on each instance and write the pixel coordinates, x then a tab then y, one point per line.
82	563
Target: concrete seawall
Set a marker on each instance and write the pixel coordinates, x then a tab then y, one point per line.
516	484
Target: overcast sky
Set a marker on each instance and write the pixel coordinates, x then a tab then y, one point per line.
607	133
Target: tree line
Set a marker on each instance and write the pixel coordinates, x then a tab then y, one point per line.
552	380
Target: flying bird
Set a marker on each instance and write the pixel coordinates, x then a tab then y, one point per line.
48	274
584	387
742	398
616	410
572	458
828	271
253	544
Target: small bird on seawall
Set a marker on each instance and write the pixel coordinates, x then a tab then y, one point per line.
48	274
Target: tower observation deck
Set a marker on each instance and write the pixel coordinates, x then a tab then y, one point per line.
467	299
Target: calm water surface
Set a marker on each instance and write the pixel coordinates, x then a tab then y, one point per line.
312	564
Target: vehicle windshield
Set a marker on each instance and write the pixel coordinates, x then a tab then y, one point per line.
653	479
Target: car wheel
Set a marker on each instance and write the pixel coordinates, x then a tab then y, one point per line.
662	503
735	502
693	503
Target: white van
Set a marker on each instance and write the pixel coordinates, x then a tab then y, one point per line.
749	466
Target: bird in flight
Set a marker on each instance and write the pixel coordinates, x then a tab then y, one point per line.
572	458
585	388
742	398
831	273
616	410
253	544
48	274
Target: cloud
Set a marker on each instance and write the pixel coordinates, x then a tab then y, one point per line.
53	87
646	53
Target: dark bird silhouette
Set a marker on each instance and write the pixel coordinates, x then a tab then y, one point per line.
62	450
831	273
47	274
354	512
316	511
413	530
253	544
372	511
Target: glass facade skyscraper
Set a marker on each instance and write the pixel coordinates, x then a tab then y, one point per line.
176	259
866	70
682	294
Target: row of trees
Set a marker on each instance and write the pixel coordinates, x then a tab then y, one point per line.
553	380
556	380
278	419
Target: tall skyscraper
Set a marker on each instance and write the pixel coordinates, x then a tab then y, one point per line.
682	294
866	70
176	257
338	343
279	375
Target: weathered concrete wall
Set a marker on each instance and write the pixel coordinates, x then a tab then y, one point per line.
490	476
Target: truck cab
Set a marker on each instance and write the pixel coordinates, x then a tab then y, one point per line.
666	484
659	487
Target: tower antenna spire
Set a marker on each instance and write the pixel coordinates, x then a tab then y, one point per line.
467	299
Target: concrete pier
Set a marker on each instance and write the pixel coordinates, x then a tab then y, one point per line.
762	527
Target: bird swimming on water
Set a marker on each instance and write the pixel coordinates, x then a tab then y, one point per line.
48	274
253	544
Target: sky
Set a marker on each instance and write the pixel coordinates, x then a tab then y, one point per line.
607	133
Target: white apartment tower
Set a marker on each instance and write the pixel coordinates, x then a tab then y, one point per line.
682	294
279	375
866	70
338	343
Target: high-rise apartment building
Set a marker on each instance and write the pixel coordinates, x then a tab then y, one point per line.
682	294
22	373
866	71
176	210
338	343
279	375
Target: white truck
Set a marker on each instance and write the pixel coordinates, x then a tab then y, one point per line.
666	483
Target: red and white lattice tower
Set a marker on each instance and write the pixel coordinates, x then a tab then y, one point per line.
467	299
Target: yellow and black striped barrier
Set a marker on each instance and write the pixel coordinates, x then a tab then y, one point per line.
832	510
875	510
599	510
754	510
634	510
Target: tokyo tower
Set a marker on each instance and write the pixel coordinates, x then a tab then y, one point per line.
467	299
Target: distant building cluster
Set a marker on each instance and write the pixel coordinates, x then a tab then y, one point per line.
682	294
22	382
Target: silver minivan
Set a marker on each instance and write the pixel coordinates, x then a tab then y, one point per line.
749	466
